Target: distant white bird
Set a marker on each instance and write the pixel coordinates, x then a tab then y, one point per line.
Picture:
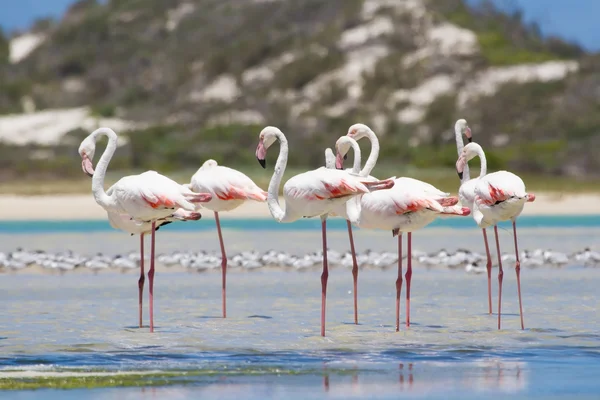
588	257
499	196
473	268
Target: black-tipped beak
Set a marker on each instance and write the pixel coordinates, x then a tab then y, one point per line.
345	157
470	139
460	175
263	162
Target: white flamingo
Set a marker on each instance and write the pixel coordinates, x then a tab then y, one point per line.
466	195
343	145
147	197
499	196
229	189
340	210
126	224
408	206
310	194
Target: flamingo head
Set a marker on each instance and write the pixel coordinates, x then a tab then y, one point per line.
87	148
462	127
469	152
267	137
209	164
342	147
358	131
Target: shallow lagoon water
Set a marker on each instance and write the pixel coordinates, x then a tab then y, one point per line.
269	346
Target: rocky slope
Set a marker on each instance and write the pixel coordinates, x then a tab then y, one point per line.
189	79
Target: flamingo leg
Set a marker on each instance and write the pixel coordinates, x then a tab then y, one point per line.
518	271
223	266
488	265
500	275
142	278
354	271
324	275
399	282
151	277
408	276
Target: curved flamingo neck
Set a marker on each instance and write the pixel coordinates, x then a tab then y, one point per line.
329	159
100	195
357	156
373	155
273	192
460	144
481	154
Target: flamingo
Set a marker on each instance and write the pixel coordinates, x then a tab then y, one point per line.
343	145
499	196
310	194
146	198
408	206
125	223
229	189
466	195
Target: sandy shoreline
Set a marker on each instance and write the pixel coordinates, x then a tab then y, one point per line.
83	207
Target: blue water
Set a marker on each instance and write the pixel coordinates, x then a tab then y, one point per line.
269	346
268	224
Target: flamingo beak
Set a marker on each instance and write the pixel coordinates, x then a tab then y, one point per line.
86	165
339	161
468	134
460	167
261	154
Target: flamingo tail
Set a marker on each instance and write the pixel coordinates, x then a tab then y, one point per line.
380	185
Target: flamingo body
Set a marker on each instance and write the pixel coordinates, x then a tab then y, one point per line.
319	191
149	196
229	188
499	196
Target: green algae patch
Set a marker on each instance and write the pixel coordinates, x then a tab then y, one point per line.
72	381
20	380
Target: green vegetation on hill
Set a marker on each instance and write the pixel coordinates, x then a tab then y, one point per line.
152	61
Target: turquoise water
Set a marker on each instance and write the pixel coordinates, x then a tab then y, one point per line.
268	224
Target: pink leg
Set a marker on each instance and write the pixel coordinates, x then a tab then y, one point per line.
518	271
489	270
408	276
223	266
399	282
142	277
151	276
324	275
354	271
500	275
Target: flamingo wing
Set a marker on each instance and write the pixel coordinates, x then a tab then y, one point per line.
227	184
498	187
424	187
323	184
153	190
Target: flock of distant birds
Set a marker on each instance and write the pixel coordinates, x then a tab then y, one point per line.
470	262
